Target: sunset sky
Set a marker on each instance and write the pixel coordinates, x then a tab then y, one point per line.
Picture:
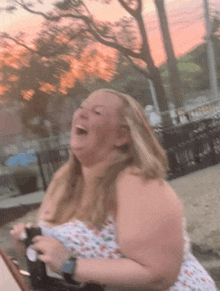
185	18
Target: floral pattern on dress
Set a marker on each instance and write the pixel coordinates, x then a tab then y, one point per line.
193	277
86	242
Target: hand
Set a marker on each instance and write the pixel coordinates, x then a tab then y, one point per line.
52	252
18	234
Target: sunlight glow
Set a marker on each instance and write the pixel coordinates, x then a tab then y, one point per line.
186	27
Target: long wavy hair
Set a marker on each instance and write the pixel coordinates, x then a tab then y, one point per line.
64	200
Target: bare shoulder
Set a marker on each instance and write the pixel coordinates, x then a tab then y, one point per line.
131	183
139	199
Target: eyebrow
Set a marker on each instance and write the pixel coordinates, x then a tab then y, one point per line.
100	106
93	105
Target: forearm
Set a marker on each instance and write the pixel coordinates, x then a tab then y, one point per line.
124	273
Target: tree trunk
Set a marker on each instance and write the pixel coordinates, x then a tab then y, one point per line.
161	95
155	75
175	82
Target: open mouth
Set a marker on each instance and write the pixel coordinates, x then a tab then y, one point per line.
80	130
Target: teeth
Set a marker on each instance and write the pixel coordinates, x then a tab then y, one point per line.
81	127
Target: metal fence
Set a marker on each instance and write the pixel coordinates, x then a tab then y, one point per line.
190	147
49	161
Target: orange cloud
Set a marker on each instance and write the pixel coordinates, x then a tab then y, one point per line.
27	94
3	89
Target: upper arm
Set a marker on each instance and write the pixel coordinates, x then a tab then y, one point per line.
149	223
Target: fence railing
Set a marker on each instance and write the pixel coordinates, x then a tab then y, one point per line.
49	161
189	147
192	146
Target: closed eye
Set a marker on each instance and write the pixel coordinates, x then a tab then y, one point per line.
97	112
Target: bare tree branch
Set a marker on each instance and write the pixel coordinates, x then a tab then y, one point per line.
139	8
139	69
92	30
6	36
47	17
132	12
100	32
57	51
94	26
125	51
138	17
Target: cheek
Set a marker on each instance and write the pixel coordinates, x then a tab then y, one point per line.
100	132
104	132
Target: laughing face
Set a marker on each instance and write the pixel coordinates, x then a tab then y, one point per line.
94	134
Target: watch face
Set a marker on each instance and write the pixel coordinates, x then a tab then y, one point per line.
31	254
69	265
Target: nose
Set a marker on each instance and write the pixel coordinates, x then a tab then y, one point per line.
83	113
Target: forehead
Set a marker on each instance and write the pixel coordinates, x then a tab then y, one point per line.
105	99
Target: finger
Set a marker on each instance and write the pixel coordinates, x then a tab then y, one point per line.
39	247
12	232
18	235
19	224
38	238
43	258
19	227
29	225
14	235
23	236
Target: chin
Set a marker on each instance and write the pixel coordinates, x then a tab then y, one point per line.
79	151
76	150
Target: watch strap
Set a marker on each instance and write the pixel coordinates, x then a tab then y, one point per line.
68	272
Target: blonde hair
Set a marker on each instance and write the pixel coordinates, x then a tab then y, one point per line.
63	200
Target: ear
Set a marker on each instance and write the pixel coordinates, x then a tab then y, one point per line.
123	136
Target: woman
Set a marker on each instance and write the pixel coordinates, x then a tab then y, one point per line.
110	208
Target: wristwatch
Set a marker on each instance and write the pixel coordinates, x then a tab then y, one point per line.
68	271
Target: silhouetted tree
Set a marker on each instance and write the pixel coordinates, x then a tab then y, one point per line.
36	109
85	26
174	76
38	65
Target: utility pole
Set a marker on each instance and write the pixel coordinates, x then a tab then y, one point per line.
153	95
210	53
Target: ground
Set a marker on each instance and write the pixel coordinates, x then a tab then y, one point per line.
200	195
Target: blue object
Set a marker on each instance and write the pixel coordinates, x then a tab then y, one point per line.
21	159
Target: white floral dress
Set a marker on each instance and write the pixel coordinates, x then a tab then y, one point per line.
86	242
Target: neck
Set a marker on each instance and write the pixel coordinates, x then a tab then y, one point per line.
91	171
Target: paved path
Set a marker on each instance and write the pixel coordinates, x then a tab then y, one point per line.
200	194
